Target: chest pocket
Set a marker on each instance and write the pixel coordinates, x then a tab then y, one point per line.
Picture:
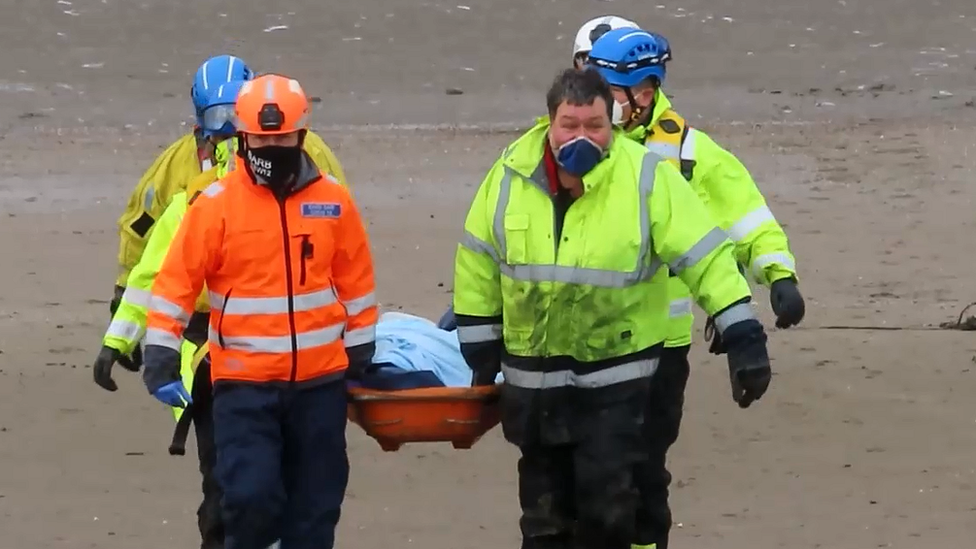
516	239
312	250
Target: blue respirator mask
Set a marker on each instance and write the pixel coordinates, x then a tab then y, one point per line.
580	155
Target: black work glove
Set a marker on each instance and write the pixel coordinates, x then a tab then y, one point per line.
102	368
356	370
485	375
749	371
717	346
448	321
787	303
360	360
134	362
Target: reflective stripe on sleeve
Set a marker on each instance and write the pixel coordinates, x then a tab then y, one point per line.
136	296
479	246
360	304
765	260
213	189
750	222
613	375
679	307
162	338
163	306
359	336
732	315
124	329
713	239
479	334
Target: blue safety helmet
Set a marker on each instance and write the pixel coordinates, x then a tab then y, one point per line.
626	57
218	109
212	73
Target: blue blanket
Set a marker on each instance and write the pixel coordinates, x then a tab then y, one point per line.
415	346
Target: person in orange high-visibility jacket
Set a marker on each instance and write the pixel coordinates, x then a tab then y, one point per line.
286	261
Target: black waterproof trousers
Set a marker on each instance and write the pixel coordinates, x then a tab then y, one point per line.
661	424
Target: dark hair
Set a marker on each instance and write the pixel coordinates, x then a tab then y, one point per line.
578	87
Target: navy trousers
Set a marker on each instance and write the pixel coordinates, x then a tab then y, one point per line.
281	462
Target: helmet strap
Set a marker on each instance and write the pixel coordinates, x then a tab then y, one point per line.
636	111
639	116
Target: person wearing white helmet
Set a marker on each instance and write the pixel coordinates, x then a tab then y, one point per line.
633	62
593	30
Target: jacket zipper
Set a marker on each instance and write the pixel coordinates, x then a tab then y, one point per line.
220	323
291	290
306	249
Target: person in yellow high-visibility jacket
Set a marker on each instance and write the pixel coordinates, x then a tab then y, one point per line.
633	62
561	284
188	157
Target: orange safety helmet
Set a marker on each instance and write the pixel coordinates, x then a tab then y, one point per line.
271	104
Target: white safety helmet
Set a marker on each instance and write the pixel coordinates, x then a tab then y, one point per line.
593	30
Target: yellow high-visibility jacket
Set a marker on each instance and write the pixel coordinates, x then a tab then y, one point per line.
732	198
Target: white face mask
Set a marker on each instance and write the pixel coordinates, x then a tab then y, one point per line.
618	112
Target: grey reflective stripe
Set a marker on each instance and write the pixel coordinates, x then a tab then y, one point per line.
360	304
566	378
732	315
124	329
359	336
679	307
713	239
647	263
498	223
576	275
163	306
155	336
750	222
278	344
213	189
766	260
477	245
479	334
271	305
667	150
136	296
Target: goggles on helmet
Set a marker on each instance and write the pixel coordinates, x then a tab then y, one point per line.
219	119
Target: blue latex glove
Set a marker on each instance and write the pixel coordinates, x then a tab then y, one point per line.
173	394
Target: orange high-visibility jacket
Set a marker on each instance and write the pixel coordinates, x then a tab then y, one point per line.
290	281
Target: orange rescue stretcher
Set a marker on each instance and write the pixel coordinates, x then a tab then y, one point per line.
459	415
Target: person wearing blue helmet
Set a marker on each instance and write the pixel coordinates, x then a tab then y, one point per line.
190	156
169	173
634	63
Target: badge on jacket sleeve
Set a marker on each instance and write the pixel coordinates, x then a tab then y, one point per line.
321	209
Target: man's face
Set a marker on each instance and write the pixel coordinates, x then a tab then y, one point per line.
572	121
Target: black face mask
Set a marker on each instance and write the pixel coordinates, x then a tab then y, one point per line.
274	166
